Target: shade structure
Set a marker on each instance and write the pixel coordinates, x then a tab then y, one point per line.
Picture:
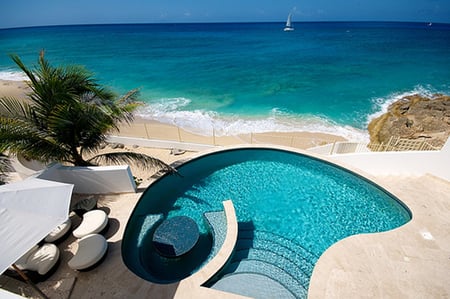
29	210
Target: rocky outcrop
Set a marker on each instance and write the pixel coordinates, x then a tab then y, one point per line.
414	117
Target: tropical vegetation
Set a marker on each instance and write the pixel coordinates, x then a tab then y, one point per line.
67	117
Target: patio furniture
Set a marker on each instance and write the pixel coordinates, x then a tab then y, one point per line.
60	231
176	236
93	222
40	259
91	249
30	209
177	151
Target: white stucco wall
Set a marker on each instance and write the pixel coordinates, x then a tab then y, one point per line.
93	179
402	163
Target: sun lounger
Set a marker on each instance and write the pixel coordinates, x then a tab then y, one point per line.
59	231
177	151
40	259
91	249
93	222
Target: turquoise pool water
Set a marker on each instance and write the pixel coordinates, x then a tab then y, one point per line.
301	203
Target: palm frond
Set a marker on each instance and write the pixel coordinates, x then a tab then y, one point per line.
5	167
5	164
12	107
22	66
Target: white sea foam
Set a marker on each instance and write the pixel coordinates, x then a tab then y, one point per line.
382	104
173	111
12	75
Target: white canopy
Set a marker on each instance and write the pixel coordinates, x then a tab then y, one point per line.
29	210
4	294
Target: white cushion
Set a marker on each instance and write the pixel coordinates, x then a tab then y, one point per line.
59	231
24	258
41	259
91	249
93	222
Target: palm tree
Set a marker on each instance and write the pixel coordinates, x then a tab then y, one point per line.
67	114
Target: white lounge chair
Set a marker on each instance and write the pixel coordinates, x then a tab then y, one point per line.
93	222
40	259
91	249
59	231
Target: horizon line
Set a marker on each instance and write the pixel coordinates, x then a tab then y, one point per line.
218	22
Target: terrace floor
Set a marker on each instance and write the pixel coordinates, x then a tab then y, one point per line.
412	261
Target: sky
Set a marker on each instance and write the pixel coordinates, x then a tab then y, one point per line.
25	13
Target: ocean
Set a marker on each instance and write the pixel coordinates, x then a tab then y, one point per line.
231	78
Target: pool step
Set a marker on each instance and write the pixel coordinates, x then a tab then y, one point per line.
279	250
269	255
269	270
280	245
217	222
273	258
258	234
262	286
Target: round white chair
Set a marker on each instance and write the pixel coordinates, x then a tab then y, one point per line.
93	222
59	231
40	259
91	249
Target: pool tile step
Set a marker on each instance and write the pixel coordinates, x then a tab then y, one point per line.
269	270
262	286
271	257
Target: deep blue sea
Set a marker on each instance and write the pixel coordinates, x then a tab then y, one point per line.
251	77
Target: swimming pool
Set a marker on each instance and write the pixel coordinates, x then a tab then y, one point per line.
290	208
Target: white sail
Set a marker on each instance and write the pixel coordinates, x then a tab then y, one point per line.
288	23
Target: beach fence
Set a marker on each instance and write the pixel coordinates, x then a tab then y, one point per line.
398	144
395	144
169	136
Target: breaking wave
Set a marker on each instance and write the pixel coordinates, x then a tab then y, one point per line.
382	104
174	111
12	75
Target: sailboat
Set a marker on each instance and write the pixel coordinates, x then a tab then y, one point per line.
288	23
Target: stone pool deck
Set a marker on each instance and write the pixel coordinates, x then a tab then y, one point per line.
412	261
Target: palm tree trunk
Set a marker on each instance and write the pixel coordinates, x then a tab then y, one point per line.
78	159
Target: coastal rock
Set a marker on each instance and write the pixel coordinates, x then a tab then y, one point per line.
414	117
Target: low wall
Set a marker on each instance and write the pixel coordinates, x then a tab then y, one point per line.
402	163
93	179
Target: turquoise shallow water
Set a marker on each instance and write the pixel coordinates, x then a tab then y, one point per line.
297	199
239	78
